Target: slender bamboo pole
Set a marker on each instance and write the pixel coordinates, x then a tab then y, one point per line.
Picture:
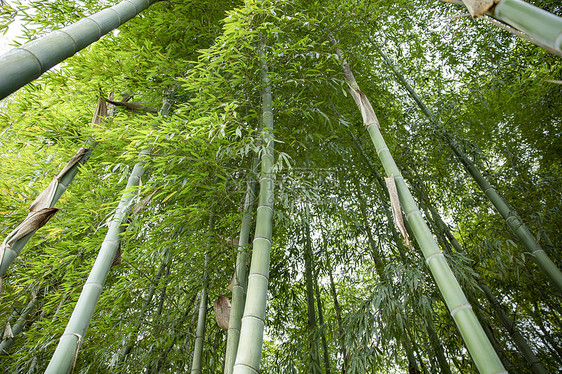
475	339
534	363
196	364
314	359
326	353
240	279
524	348
251	334
25	63
510	216
129	341
339	319
18	326
65	355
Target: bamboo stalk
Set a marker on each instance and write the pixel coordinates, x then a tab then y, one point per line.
473	335
28	62
65	355
314	360
521	343
510	216
326	353
11	248
19	325
541	25
251	334
196	364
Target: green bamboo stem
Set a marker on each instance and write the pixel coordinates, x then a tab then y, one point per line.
510	216
240	279
17	328
473	335
196	363
326	353
314	362
65	355
535	22
339	319
534	363
23	64
59	184
251	334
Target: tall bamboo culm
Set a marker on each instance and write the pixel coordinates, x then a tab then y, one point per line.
66	353
196	363
28	62
481	350
251	333
240	278
509	215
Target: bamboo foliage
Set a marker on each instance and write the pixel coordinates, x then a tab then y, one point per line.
42	208
475	339
251	333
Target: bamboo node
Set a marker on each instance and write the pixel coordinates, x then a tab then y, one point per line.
460	307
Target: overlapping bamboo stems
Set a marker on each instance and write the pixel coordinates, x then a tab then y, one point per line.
240	278
154	369
474	337
251	332
434	340
510	216
19	325
66	353
27	62
42	209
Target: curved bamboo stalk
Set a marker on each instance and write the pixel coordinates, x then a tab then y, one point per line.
509	215
472	333
28	62
251	334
